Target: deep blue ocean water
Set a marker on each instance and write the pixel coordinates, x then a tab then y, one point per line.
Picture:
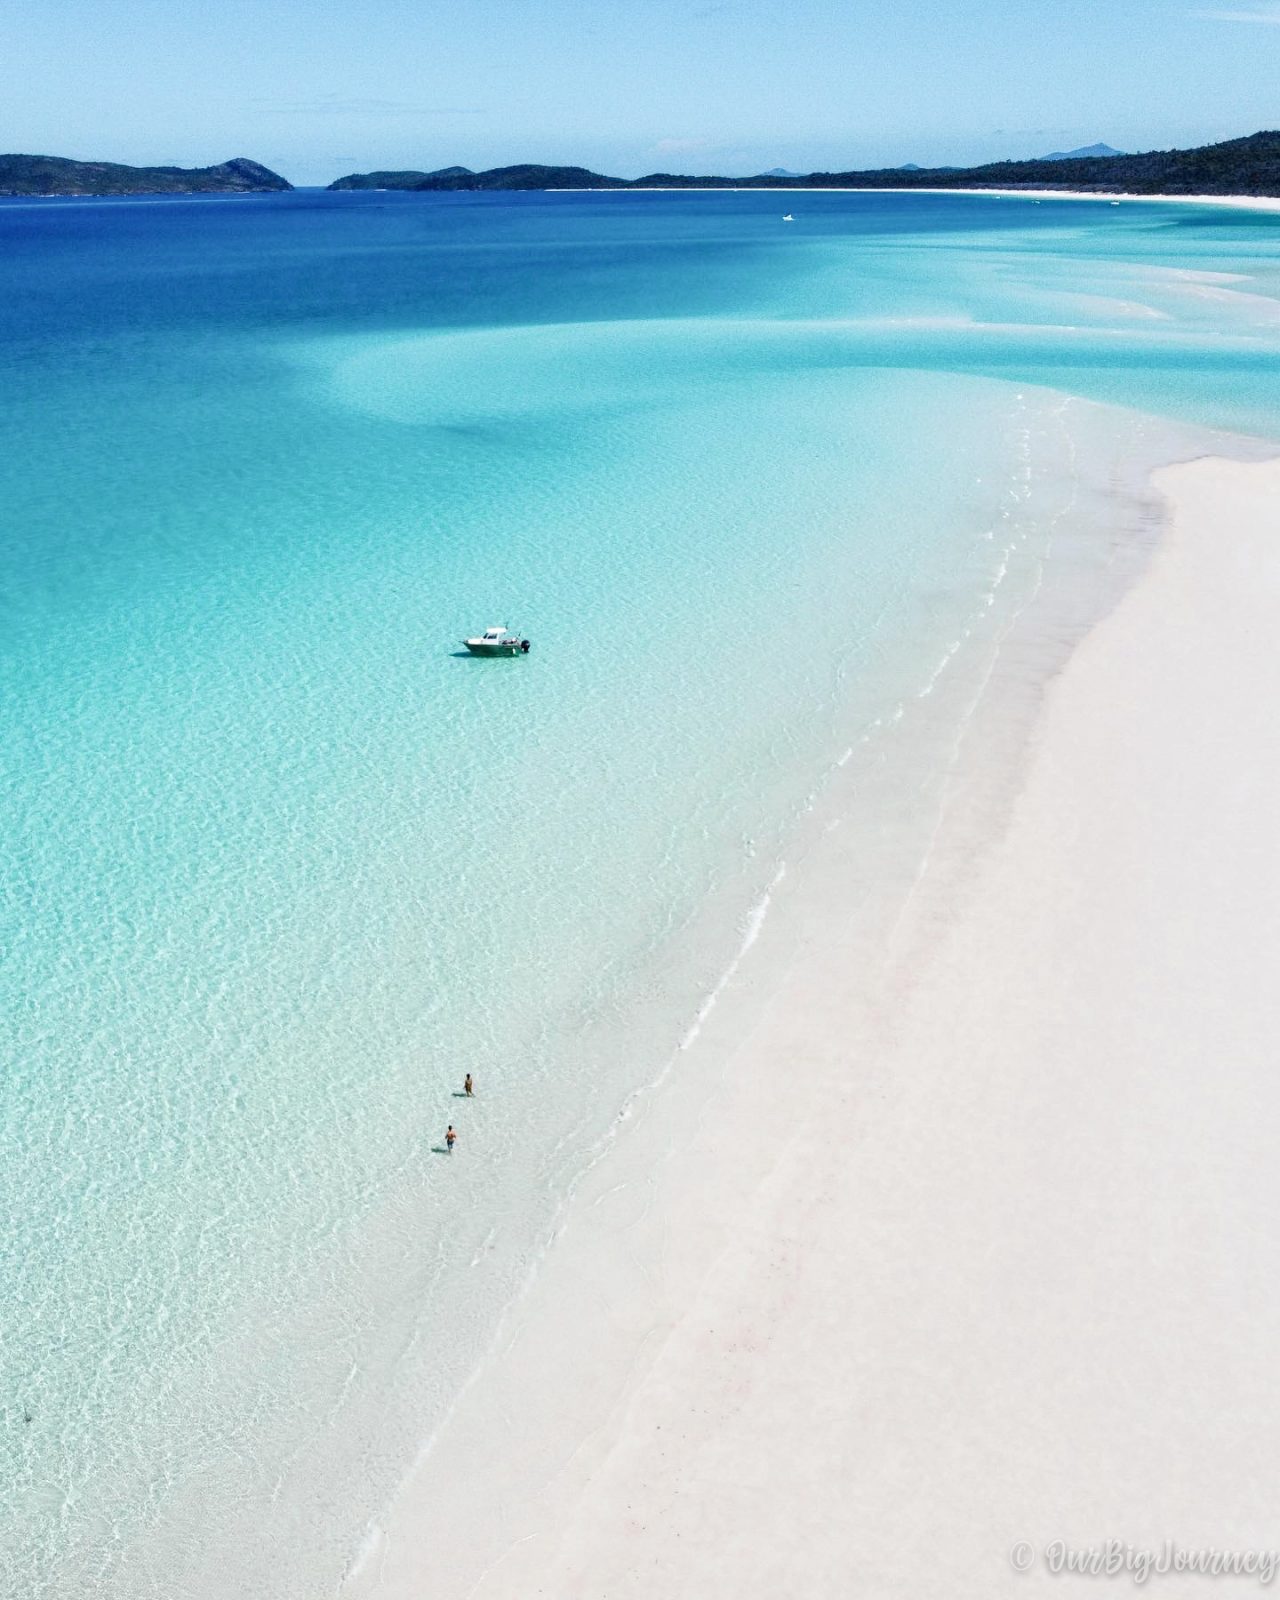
280	864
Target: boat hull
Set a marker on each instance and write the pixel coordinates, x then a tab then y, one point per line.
478	649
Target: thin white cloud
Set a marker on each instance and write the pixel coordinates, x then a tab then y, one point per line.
333	105
1268	15
683	147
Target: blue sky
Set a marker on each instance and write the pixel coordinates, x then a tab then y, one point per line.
709	86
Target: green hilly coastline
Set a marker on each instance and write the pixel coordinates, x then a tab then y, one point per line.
397	180
521	177
1249	166
37	175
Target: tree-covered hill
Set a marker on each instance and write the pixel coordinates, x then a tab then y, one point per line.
397	180
528	177
1249	166
39	175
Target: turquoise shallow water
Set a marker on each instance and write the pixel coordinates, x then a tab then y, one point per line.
281	864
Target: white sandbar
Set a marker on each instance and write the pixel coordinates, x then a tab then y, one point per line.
970	1244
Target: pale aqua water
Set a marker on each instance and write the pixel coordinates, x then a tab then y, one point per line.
280	864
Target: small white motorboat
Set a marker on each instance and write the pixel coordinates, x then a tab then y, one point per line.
788	218
497	642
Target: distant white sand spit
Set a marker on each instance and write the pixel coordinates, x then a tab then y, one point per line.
971	1247
1248	201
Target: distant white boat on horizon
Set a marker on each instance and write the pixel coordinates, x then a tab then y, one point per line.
788	218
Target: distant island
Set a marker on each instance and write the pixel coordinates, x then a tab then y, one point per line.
50	175
1086	151
398	180
1249	166
521	177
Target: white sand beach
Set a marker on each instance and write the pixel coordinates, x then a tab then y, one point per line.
1249	202
962	1241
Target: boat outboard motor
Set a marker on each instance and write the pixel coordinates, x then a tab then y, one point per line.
524	647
